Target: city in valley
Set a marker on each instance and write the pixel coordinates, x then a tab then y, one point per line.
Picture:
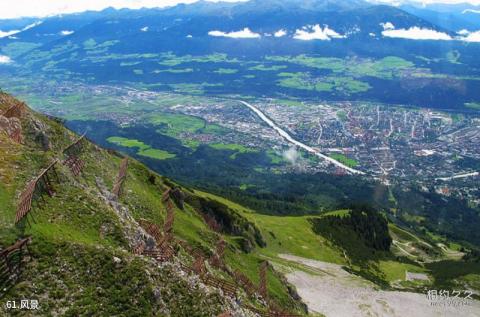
395	144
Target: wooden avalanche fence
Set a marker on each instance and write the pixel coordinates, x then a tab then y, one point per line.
35	190
262	288
244	282
228	288
152	229
217	258
72	153
122	175
16	110
11	260
170	218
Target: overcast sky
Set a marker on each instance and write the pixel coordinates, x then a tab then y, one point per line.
18	8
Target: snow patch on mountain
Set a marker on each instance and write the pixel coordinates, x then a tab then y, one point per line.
246	33
309	33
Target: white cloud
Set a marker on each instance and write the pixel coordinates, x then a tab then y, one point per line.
291	155
471	11
144	29
280	33
463	32
12	32
189	36
417	33
243	34
316	33
5	59
8	33
472	37
387	26
66	32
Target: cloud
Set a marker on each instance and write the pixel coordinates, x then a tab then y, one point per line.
470	11
5	59
66	32
471	36
12	32
416	33
280	33
309	33
243	34
387	26
144	29
291	155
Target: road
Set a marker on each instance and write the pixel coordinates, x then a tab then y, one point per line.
458	176
291	140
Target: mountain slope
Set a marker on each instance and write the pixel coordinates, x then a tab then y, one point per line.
82	231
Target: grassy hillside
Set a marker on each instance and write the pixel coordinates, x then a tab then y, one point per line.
80	260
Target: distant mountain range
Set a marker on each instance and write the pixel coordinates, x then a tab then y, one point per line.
107	45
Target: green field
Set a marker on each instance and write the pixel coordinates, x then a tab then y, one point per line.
226	71
264	68
344	85
143	149
344	160
174	71
237	148
473	105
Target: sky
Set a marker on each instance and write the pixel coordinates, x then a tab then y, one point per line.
18	8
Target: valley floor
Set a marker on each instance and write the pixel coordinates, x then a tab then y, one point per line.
330	290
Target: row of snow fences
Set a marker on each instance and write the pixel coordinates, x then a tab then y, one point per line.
42	184
17	135
170	218
76	148
162	254
228	288
139	248
35	190
217	258
72	153
244	282
262	288
152	229
122	175
11	259
75	165
15	110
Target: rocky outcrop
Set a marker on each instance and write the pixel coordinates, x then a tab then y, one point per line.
133	232
11	127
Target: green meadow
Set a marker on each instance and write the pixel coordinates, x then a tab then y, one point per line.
143	149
